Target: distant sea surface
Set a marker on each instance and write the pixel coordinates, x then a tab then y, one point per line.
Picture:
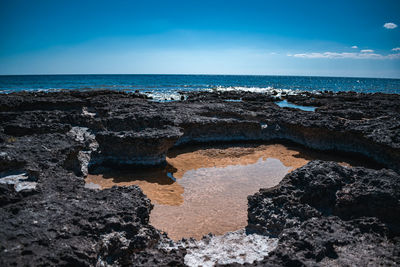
166	86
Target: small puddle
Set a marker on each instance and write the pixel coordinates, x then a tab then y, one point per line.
286	104
205	189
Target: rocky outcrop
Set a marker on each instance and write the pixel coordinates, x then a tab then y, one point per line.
321	214
147	147
126	120
327	214
84	228
374	131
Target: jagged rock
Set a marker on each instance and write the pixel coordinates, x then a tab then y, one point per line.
84	228
327	214
322	214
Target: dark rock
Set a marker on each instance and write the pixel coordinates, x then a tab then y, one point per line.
323	214
330	241
86	228
224	95
327	214
148	147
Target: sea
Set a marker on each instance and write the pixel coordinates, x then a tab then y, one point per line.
166	87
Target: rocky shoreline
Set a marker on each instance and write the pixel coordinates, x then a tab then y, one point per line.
321	214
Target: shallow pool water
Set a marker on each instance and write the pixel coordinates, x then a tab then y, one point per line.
215	198
286	104
205	189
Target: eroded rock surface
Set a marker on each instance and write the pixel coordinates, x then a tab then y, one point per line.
321	213
327	214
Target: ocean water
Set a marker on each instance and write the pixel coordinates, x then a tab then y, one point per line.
167	86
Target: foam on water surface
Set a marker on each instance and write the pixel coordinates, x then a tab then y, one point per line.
271	90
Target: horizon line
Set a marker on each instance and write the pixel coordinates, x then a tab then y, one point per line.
187	74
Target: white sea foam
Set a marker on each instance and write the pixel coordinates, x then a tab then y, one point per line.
48	90
40	90
269	90
233	247
242	88
173	95
164	96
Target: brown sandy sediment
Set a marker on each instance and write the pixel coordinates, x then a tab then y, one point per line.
194	157
161	189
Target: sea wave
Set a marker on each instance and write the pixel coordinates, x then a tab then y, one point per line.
40	90
174	95
269	90
164	96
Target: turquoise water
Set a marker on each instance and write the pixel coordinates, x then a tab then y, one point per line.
285	104
168	85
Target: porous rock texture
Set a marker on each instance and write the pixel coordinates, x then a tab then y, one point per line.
327	214
322	213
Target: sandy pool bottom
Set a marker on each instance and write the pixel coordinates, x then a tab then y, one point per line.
204	189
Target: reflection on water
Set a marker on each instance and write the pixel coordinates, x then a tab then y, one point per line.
215	198
157	183
205	189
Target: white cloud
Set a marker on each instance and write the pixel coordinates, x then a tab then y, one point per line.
354	46
335	55
367	51
390	25
396	49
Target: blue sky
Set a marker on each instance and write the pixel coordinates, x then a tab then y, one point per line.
326	38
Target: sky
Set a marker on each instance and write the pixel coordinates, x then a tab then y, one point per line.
276	37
